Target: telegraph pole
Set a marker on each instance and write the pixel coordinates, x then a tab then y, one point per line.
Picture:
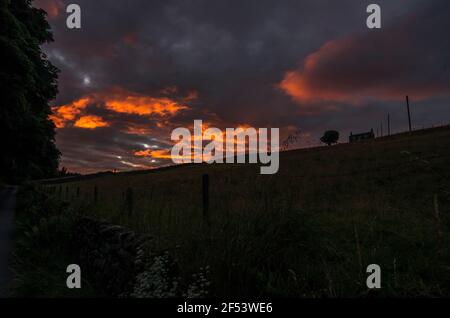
389	125
409	113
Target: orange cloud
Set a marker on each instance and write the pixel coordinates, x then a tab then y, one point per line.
157	154
144	105
90	122
68	112
120	101
314	82
165	154
58	122
364	66
143	153
124	101
222	139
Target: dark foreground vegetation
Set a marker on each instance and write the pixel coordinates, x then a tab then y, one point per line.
115	262
309	231
44	247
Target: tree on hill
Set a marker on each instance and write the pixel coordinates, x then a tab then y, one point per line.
28	82
330	137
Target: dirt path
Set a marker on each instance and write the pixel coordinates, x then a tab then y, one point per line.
7	204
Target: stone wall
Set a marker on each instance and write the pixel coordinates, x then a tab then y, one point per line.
111	255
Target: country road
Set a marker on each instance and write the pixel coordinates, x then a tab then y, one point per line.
7	204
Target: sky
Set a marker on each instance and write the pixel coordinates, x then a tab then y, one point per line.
137	69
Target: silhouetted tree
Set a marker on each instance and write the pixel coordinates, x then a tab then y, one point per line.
330	137
28	81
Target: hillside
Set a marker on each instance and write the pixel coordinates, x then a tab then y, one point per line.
310	230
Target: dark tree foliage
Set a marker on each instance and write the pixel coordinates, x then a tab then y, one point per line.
330	137
28	82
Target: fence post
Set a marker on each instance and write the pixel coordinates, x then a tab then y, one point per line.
409	113
78	192
205	199
67	192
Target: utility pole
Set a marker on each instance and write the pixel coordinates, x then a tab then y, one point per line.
389	125
381	126
409	113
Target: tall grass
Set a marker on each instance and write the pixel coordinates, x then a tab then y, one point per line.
310	230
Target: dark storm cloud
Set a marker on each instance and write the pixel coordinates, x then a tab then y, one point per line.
406	56
234	55
220	46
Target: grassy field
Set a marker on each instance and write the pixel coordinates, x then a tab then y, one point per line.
310	230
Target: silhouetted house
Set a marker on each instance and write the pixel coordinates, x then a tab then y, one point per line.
360	137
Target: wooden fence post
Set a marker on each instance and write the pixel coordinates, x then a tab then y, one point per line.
205	199
78	192
409	113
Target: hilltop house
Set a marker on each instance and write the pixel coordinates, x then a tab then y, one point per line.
362	136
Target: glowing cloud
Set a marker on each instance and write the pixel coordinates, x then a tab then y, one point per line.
144	105
372	65
119	101
90	122
66	113
156	154
241	145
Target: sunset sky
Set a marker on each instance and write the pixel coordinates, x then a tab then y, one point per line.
137	69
